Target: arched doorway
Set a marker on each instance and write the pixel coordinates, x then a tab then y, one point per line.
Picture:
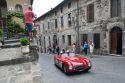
116	41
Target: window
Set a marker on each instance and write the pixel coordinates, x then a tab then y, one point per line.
48	25
61	10
115	8
96	40
69	5
49	41
56	25
69	40
63	39
69	19
43	28
55	13
62	23
19	8
90	13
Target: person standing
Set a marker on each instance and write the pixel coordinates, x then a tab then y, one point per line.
74	47
86	47
91	44
29	17
57	49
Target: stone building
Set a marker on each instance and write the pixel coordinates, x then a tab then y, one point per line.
13	5
77	21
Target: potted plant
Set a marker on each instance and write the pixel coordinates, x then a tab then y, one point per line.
24	45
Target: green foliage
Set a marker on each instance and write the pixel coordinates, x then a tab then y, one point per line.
22	30
1	32
11	14
13	27
24	41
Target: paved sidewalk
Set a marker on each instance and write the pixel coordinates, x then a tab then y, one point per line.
21	73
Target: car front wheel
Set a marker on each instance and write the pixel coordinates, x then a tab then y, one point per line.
65	69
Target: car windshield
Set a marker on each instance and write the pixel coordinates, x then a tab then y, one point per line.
70	54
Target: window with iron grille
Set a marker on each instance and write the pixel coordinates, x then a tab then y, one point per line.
90	13
115	8
96	40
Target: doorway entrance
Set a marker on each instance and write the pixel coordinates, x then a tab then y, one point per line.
3	10
116	41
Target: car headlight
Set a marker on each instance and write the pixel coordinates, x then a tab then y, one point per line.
89	64
70	67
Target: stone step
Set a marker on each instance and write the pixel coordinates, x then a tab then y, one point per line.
11	41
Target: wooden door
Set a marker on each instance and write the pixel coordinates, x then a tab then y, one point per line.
113	42
84	38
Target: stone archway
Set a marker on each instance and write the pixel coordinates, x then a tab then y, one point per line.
116	40
3	10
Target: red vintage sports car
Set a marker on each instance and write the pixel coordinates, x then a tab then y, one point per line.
71	62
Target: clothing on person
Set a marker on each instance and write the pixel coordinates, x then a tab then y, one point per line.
74	47
86	47
29	17
29	26
91	47
57	49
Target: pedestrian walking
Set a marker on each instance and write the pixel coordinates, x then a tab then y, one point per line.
29	17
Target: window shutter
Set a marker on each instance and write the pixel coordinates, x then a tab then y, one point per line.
90	13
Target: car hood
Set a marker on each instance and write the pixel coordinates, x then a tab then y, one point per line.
76	59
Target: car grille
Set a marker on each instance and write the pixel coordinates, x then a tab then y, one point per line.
79	68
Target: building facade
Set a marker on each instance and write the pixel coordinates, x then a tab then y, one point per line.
77	21
13	5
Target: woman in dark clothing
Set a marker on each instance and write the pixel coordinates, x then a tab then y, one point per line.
57	49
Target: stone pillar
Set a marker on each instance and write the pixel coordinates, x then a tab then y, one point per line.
123	43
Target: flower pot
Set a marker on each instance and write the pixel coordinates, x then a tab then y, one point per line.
25	49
